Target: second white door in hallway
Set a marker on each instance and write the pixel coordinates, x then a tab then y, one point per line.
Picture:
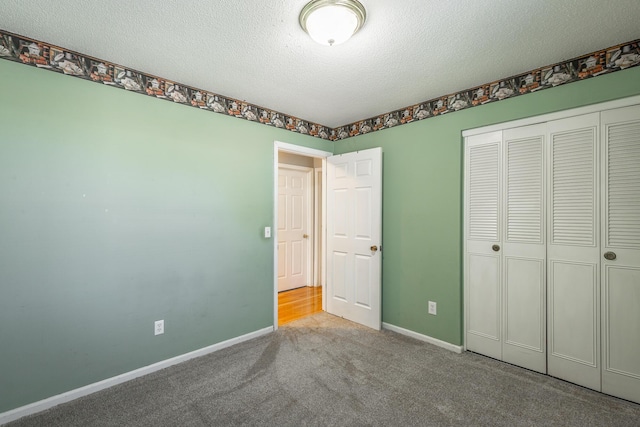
294	226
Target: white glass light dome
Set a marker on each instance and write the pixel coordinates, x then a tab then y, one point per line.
331	22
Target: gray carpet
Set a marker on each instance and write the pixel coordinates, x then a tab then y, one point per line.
325	371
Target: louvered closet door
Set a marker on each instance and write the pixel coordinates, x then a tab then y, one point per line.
621	236
573	253
523	308
482	233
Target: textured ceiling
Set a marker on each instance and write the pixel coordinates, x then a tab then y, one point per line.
407	52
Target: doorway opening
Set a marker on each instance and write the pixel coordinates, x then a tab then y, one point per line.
299	199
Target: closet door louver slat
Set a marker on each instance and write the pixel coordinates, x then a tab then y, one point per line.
524	190
573	188
623	185
483	192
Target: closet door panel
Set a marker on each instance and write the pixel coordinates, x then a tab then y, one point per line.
574	327
622	332
621	252
572	287
482	274
524	316
483	318
573	303
524	302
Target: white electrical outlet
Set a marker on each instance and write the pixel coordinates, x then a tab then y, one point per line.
158	327
433	308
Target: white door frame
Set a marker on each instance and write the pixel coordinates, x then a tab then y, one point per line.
318	224
303	151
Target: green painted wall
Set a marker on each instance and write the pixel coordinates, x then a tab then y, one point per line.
117	210
422	199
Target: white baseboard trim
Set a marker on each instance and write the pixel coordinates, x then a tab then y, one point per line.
68	396
425	338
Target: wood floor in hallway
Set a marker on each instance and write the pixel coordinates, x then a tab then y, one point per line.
298	303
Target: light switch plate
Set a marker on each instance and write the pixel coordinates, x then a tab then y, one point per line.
267	232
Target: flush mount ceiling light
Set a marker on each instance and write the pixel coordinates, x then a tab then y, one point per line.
331	22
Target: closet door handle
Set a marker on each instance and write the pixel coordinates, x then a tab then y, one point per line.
495	248
610	256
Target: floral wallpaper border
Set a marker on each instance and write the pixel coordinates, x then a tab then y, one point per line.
43	55
594	64
49	57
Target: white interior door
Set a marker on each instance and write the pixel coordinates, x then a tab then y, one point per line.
524	276
621	253
354	236
294	227
573	252
483	237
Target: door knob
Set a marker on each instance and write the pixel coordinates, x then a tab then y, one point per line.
495	248
305	236
374	248
610	256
